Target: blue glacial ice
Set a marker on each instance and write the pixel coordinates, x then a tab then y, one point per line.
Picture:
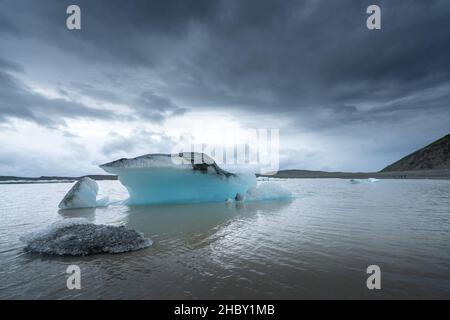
83	194
78	236
178	178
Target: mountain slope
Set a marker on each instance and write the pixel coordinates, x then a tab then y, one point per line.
434	156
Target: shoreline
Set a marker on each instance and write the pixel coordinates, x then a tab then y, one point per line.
52	179
442	174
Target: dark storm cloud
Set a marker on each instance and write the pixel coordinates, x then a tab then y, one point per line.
109	28
313	60
18	101
9	66
327	56
138	142
146	105
149	105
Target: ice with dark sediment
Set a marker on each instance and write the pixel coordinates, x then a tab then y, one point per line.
78	236
178	178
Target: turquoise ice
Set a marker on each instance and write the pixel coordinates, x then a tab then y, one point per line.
178	178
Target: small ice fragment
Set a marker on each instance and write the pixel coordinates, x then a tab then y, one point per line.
83	194
369	180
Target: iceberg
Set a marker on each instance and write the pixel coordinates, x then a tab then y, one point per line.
178	178
78	236
83	194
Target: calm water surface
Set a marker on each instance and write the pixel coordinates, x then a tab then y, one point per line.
317	245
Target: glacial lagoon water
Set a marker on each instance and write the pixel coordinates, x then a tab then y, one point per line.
316	245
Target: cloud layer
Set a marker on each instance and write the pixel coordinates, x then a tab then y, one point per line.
356	99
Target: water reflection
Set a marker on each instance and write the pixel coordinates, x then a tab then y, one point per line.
87	213
194	222
179	227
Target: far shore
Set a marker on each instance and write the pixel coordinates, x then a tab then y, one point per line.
436	174
52	179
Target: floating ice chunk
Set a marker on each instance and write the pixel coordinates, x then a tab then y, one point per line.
357	181
177	178
83	194
268	191
78	236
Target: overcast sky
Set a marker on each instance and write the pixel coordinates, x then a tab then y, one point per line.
141	74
